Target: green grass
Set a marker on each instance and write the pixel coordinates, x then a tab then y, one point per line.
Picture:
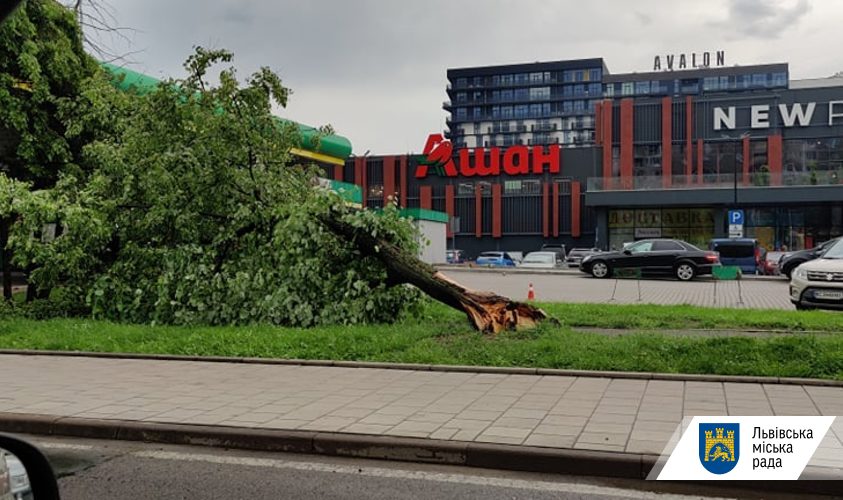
439	335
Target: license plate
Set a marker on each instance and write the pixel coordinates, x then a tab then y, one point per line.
828	295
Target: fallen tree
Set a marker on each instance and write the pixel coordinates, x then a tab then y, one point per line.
487	312
195	212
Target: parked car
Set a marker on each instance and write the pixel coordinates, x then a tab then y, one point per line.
576	255
818	283
770	265
18	480
794	259
659	257
541	260
518	257
5	479
454	256
495	259
555	247
741	252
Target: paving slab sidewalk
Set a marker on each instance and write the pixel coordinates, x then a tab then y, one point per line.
558	412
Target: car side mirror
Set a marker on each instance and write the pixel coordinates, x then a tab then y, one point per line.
627	252
25	472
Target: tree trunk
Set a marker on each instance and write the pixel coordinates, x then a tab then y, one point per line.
5	225
487	312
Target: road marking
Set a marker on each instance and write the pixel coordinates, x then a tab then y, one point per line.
546	486
63	446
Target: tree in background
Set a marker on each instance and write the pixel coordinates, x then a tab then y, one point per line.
49	91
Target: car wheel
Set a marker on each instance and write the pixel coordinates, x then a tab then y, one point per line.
685	272
600	269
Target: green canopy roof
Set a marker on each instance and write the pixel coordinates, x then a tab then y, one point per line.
334	146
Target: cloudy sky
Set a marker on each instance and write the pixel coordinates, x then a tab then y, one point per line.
375	69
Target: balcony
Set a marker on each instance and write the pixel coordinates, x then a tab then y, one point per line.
716	181
446	105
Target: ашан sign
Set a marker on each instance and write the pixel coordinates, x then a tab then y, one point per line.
796	114
515	160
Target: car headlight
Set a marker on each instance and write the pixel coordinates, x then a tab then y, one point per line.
800	273
585	259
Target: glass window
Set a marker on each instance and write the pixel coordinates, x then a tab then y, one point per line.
506	79
642	88
521	111
665	246
610	90
536	77
595	74
759	79
539	93
546	109
496	80
465	188
710	83
780	79
512	187
496	95
594	89
461	97
477	112
641	246
496	111
535	110
579	105
530	187
462	82
521	78
568	91
579	89
628	88
724	83
506	111
461	113
506	95
477	81
522	94
568	76
568	107
578	75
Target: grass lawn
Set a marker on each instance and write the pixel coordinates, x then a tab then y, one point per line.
440	335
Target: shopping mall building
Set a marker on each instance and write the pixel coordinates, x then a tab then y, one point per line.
566	152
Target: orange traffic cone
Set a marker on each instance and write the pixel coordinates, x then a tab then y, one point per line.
531	294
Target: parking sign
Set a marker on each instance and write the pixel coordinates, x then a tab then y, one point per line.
736	217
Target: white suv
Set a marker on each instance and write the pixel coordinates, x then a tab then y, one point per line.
818	284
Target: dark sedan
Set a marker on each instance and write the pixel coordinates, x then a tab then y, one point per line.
792	260
658	257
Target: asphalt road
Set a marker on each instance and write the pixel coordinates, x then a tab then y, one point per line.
581	288
112	469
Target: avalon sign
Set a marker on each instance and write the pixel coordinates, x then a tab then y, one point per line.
792	115
515	160
688	61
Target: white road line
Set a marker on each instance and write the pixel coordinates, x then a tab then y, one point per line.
62	446
576	488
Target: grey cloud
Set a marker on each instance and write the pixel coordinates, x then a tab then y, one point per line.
765	18
376	68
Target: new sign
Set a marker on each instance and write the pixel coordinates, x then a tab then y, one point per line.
515	160
796	114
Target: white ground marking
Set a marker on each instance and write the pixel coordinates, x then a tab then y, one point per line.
576	488
62	446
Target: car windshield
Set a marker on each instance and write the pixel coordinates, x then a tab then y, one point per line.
491	255
835	251
539	258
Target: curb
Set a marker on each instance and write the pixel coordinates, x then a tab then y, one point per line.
690	377
633	466
403	449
